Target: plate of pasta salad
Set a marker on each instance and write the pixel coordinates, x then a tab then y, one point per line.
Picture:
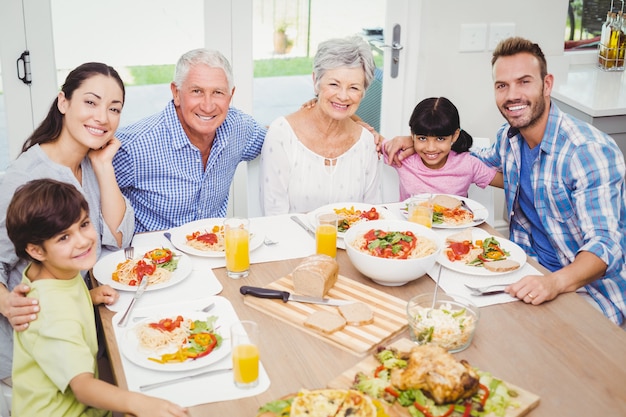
206	238
160	264
180	340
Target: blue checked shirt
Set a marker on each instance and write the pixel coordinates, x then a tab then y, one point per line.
162	174
579	192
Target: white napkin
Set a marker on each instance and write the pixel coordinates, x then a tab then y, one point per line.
201	390
453	282
293	240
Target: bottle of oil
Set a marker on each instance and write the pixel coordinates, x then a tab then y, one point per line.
621	42
616	41
605	35
613	41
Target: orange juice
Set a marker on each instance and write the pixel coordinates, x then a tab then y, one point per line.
421	213
237	250
245	364
326	240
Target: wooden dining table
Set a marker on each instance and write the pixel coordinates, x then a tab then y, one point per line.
564	351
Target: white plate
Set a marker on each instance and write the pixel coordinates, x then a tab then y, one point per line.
104	268
383	212
179	237
129	344
515	253
480	212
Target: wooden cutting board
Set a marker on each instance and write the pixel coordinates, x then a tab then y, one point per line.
389	314
527	400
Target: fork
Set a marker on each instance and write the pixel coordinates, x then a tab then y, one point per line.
129	252
205	309
487	290
466	207
269	242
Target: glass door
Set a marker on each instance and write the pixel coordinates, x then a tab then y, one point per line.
285	35
142	39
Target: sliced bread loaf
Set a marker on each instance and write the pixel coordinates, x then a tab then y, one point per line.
325	321
504	265
315	275
357	314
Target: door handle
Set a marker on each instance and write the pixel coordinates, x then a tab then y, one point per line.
395	47
27	76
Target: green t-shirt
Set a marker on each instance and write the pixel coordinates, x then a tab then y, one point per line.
56	347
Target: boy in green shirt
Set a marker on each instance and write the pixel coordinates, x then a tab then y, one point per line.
54	360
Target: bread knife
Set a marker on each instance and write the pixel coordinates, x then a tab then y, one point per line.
287	296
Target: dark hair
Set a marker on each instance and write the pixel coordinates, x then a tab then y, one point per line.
39	210
516	45
437	116
50	128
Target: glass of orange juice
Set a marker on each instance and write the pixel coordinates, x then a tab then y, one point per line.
244	336
237	250
326	234
421	210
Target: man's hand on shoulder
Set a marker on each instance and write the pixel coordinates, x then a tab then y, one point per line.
19	309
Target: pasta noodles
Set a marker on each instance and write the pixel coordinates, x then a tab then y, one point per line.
155	339
208	241
130	271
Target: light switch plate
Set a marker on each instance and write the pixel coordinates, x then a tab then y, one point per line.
473	37
498	32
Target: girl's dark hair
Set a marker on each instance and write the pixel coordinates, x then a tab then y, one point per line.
50	128
437	116
41	209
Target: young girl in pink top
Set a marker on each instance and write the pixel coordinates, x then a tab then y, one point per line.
441	163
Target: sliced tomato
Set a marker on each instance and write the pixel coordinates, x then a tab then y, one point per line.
144	268
371	214
167	324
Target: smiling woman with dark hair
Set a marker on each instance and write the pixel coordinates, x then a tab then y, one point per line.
74	144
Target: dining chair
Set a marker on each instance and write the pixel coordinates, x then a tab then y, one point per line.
484	196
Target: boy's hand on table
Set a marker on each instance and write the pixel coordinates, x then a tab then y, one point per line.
103	294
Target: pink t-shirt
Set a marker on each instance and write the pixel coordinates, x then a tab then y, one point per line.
455	177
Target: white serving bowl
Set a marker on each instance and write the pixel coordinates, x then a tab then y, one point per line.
391	272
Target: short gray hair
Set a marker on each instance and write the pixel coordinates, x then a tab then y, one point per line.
208	57
351	52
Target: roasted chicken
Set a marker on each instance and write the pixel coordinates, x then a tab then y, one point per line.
436	372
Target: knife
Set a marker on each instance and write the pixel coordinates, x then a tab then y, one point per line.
287	296
142	286
182	378
303	225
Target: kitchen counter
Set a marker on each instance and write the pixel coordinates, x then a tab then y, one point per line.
593	91
595	96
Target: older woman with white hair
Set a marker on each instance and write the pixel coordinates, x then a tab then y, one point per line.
321	155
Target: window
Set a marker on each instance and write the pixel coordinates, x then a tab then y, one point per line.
584	22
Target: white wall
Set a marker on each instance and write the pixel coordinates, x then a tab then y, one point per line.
465	77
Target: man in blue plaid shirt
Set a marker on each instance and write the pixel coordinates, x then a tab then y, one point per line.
176	166
563	183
